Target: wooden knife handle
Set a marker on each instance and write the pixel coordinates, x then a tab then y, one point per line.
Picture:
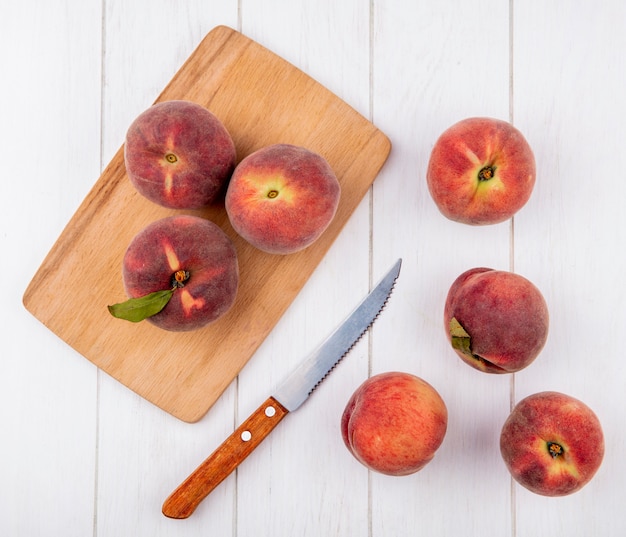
184	500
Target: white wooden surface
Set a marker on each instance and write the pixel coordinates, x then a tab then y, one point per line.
80	455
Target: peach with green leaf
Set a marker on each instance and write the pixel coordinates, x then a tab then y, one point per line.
180	273
496	321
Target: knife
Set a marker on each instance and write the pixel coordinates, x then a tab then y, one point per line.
288	397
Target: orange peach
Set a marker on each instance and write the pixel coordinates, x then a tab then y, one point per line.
194	257
552	443
496	321
394	423
481	171
281	198
179	155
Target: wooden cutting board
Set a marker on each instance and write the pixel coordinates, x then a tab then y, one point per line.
261	99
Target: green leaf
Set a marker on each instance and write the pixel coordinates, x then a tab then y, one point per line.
138	309
461	340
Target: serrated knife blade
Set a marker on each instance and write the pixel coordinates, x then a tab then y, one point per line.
288	397
297	387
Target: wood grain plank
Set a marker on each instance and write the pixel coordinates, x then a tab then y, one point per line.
296	482
50	129
184	374
436	81
570	240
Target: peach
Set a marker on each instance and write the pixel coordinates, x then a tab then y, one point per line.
481	171
552	443
394	423
179	155
496	321
190	255
281	198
